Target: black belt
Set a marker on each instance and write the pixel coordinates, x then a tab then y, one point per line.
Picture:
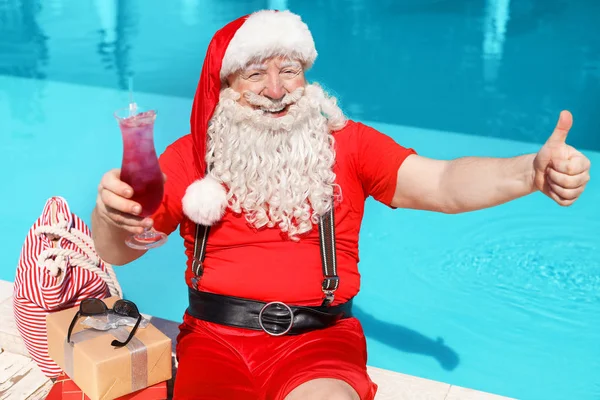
275	318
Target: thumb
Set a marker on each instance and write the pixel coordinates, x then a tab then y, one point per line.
565	121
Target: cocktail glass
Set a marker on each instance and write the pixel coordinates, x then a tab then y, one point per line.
140	170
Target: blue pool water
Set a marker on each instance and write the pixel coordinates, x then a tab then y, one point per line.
505	300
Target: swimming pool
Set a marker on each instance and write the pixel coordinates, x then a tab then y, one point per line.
505	300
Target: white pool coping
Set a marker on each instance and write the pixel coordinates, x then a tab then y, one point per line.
20	379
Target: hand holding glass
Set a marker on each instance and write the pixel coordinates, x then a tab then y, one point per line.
141	171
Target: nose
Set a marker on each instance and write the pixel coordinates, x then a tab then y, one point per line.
274	89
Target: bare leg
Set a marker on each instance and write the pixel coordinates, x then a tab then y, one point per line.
324	388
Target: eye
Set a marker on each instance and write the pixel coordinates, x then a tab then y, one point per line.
253	76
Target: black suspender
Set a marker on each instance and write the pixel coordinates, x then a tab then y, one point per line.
199	253
331	280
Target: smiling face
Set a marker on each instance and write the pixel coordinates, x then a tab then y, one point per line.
264	85
270	142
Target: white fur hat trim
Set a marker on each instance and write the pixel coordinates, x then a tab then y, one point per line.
268	33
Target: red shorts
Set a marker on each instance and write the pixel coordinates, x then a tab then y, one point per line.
220	362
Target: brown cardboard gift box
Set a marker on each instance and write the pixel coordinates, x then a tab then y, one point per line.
102	371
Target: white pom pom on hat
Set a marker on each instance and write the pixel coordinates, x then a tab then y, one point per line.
205	201
250	38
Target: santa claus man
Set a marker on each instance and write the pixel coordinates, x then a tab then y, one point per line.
268	192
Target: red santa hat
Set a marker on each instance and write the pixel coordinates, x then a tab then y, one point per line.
250	38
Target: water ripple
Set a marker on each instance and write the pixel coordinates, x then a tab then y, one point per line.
526	260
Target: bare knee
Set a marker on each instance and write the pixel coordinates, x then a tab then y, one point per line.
324	388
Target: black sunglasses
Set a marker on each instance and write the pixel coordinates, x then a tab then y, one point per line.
90	307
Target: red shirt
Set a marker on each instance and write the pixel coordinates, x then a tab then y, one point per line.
264	265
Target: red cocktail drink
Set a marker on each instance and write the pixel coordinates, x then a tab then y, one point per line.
140	169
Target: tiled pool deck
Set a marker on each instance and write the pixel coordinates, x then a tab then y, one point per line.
20	379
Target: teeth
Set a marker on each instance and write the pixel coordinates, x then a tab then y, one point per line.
274	110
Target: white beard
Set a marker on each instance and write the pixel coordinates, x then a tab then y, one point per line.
278	171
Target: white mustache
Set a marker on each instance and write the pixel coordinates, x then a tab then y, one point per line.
269	105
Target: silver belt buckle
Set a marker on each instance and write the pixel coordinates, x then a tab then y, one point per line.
262	310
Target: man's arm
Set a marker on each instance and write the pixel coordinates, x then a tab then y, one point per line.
472	183
109	241
464	184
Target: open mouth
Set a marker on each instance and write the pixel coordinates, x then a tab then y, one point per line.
276	112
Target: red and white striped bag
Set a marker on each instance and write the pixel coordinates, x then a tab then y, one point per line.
58	268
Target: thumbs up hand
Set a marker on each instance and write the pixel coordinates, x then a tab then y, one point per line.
560	171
